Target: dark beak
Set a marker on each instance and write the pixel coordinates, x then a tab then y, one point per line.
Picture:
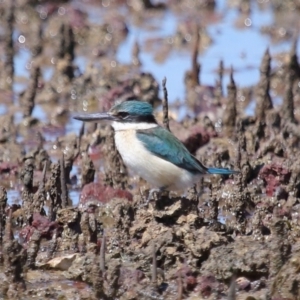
94	117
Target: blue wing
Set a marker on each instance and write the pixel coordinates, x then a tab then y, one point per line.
165	145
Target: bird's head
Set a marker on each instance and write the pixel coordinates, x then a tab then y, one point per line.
131	111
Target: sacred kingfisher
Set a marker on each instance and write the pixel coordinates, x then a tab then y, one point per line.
150	150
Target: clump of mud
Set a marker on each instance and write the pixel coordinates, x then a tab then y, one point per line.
232	237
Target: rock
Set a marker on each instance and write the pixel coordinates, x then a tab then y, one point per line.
201	242
62	263
246	256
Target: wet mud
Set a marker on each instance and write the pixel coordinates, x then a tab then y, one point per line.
77	226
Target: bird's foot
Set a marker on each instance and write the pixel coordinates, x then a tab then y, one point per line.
153	195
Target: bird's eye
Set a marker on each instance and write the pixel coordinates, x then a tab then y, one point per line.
123	114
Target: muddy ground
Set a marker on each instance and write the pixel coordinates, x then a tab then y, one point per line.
79	227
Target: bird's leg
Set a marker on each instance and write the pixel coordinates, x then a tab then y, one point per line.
153	195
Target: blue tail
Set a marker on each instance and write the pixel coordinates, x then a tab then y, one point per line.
221	171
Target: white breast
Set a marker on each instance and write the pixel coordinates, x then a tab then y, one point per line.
156	171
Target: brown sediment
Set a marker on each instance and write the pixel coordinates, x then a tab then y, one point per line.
154	267
27	99
88	169
165	105
116	170
192	76
54	184
64	188
219	82
33	248
230	112
3	203
287	112
263	98
28	191
9	47
39	198
136	54
102	254
98	280
14	261
53	245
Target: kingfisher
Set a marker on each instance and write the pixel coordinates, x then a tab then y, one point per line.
149	150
